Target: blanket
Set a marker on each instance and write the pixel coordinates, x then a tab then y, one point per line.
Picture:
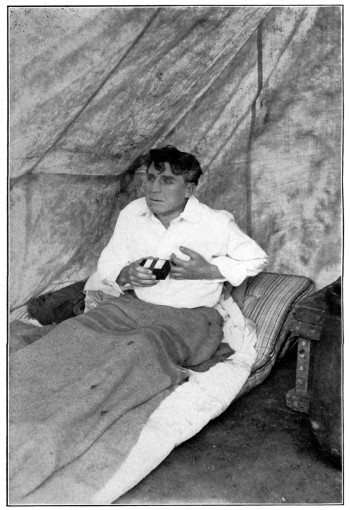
71	385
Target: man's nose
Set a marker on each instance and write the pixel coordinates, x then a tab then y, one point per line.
156	185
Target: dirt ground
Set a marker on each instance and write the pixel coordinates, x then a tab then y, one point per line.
257	452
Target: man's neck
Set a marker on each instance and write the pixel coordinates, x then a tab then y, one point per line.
166	219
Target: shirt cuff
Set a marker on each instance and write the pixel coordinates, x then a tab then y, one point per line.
233	271
96	282
117	289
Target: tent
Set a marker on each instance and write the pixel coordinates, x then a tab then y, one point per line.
253	92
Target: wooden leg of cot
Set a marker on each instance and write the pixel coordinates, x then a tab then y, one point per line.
297	398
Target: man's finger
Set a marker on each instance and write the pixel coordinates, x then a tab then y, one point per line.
174	259
179	274
147	283
177	270
136	277
189	252
178	277
144	272
178	262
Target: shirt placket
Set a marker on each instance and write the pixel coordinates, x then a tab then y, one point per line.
166	237
158	232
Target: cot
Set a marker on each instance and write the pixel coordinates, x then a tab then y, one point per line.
124	454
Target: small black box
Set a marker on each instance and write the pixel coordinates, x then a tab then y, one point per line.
160	267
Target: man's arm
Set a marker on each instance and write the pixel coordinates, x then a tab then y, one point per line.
114	264
244	256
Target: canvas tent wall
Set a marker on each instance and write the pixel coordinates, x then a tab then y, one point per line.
254	92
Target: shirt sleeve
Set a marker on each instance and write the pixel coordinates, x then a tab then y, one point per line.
244	257
115	255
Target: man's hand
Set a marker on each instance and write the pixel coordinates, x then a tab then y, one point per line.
136	275
197	268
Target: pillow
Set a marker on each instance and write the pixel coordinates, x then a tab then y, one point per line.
269	301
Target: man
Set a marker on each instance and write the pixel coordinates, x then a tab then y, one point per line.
89	371
205	246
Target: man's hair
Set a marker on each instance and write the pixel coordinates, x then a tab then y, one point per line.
181	163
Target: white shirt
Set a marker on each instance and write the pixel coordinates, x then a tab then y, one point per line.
214	234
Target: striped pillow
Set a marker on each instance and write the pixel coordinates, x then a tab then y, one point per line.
268	302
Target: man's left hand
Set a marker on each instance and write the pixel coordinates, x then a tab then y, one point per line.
197	268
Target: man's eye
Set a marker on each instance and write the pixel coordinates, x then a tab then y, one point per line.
150	177
167	181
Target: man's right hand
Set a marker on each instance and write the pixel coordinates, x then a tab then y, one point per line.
136	275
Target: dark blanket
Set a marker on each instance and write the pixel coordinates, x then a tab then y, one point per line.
69	386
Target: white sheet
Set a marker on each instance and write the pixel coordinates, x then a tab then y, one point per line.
189	408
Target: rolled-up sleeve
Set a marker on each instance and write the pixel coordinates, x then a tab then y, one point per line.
244	257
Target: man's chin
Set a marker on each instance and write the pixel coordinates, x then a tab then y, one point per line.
155	205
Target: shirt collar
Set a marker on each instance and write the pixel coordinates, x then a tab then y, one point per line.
191	212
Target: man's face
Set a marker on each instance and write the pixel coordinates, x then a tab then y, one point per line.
166	193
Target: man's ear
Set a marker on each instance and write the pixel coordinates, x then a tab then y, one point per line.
191	188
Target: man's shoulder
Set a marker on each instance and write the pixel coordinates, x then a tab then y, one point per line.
215	214
135	208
